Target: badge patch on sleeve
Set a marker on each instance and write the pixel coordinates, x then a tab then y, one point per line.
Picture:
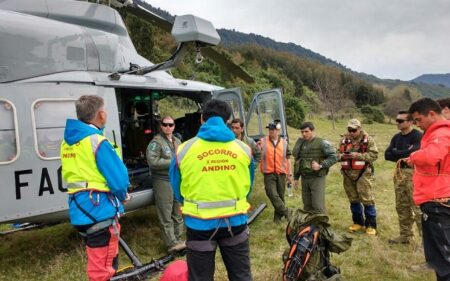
153	146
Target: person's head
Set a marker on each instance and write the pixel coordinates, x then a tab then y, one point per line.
167	125
237	126
307	130
91	110
425	112
404	121
274	129
445	107
216	108
354	127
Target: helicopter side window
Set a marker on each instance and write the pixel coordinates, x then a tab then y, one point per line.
49	121
9	150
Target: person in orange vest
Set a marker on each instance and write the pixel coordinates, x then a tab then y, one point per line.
276	168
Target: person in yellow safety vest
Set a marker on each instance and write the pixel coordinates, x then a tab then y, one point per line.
97	183
276	167
212	176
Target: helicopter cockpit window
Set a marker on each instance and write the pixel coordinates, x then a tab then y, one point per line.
49	121
9	149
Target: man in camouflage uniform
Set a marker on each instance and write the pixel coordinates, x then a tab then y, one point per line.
159	154
313	157
357	152
402	145
237	126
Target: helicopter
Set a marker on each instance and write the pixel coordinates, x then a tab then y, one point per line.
54	51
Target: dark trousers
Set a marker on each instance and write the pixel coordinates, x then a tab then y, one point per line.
275	186
436	237
201	250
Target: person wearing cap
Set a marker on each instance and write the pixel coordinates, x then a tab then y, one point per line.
402	145
276	167
237	126
159	153
313	158
357	152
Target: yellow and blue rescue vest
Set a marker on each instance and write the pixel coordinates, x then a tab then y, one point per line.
212	178
79	168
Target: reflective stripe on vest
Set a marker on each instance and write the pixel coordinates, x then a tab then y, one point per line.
79	167
274	157
212	178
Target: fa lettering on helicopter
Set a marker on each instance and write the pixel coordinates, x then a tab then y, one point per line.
54	51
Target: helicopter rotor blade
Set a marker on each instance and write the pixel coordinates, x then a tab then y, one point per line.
143	13
136	8
227	64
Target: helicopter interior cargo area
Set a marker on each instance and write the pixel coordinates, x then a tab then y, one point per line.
140	114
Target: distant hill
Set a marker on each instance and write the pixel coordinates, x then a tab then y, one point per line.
430	85
435	79
231	37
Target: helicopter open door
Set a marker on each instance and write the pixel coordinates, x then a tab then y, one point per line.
234	99
266	107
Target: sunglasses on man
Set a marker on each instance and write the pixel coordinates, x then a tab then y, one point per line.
399	121
351	130
167	124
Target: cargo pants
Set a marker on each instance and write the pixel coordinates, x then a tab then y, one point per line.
313	194
407	211
275	186
168	211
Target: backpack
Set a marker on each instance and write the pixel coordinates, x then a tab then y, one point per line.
310	243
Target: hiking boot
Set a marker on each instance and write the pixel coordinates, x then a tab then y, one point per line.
420	267
356	227
399	240
371	231
179	246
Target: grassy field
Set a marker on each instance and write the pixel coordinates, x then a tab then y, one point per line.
57	253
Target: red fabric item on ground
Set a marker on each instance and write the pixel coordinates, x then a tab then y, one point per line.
176	271
100	260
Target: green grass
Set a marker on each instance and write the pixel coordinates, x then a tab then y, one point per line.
57	253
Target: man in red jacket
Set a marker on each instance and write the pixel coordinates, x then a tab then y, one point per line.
432	183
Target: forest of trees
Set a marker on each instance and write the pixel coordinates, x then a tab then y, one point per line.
309	87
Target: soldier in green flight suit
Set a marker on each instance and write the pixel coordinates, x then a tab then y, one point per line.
313	158
159	154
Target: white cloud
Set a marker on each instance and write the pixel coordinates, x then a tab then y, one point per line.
390	39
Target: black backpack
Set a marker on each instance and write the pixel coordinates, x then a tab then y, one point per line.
310	243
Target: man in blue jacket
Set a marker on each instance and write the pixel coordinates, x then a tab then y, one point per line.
97	182
212	176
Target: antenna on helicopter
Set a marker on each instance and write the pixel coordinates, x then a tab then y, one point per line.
186	29
137	8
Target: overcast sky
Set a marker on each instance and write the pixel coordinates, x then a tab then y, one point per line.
396	39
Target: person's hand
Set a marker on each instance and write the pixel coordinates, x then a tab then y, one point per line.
408	161
354	154
295	184
315	166
127	198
